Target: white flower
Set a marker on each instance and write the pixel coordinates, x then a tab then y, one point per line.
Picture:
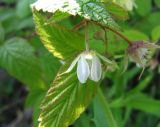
89	66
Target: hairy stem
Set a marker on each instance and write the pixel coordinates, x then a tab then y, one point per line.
86	37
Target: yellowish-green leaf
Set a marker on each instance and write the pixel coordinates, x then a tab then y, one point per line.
60	41
65	100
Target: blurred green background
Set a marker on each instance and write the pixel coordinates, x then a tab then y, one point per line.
27	69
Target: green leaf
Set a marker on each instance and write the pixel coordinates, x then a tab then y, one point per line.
25	23
17	57
95	10
139	101
153	19
60	41
157	3
83	121
117	11
23	9
6	13
156	33
135	35
66	100
50	66
103	116
144	7
149	23
2	33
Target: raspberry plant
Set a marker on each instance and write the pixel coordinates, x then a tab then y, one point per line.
86	42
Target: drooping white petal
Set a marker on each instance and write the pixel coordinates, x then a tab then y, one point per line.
96	69
73	64
83	70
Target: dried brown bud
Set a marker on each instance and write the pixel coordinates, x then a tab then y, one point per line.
139	52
